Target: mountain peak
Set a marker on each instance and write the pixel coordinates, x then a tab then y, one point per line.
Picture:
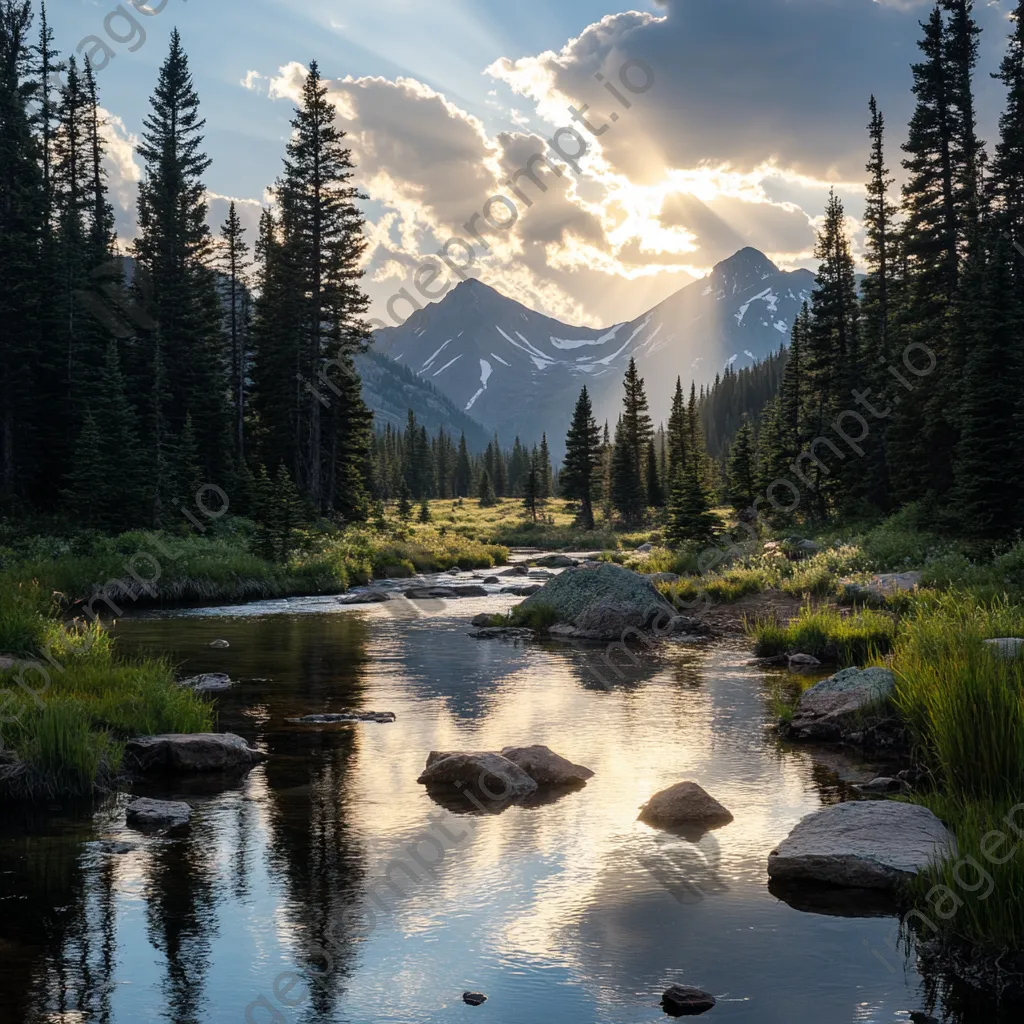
745	268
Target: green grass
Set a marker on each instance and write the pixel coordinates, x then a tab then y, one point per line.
64	718
826	634
965	709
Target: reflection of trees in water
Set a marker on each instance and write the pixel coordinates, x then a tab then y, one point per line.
181	897
313	844
57	931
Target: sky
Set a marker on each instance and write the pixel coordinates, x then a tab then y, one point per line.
741	115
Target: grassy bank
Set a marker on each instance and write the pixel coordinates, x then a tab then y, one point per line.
141	568
965	708
67	708
828	635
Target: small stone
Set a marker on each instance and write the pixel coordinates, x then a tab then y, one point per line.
527	591
365	597
207	682
219	644
474	998
498	778
148	815
483	619
545	767
685	1001
502	633
803	661
380	717
646	548
492	579
880	786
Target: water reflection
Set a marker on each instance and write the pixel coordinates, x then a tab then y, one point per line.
319	861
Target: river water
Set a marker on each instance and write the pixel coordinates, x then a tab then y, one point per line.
568	911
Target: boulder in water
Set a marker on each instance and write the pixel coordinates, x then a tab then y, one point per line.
603	603
835	706
191	752
493	776
207	682
545	767
685	1001
685	803
875	844
146	815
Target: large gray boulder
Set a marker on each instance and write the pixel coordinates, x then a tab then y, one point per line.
837	705
865	845
495	777
880	588
545	767
685	803
602	603
191	752
145	815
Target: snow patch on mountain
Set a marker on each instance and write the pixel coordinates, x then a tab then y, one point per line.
430	361
485	376
451	362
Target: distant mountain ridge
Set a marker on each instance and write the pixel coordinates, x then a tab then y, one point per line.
518	372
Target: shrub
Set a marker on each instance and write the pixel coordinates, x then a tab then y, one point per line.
828	635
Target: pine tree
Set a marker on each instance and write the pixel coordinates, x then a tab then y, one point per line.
463	471
22	213
404	503
655	495
235	264
678	432
689	510
633	435
583	454
742	472
877	303
85	494
311	318
545	483
830	356
173	250
485	491
425	516
188	469
1006	181
989	466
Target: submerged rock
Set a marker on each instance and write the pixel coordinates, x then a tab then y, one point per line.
545	767
603	603
685	803
528	591
207	682
381	717
803	661
516	570
147	815
365	597
555	562
191	752
443	593
502	632
219	644
474	998
865	845
837	705
492	775
881	785
684	1001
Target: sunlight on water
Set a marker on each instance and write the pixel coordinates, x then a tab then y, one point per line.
569	910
